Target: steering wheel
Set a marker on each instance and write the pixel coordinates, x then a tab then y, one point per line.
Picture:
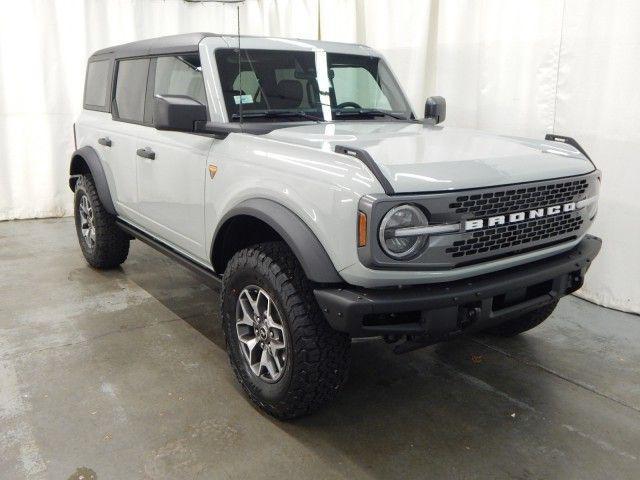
348	104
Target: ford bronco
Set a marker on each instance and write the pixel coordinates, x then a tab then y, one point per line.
295	175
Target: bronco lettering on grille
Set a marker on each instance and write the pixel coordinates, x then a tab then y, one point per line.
519	216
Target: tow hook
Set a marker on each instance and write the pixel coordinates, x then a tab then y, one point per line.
575	282
467	316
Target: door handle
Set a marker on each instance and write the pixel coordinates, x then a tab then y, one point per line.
146	153
106	141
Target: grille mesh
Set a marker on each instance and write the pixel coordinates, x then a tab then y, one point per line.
525	198
495	238
524	234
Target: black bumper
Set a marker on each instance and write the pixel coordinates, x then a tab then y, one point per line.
444	310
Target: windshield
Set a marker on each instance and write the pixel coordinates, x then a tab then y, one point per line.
278	85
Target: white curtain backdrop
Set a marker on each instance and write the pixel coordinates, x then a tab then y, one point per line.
44	45
526	67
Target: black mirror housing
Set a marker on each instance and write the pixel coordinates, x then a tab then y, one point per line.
435	109
177	112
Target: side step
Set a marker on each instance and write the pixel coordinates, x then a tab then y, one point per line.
209	277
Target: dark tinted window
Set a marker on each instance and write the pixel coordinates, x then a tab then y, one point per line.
268	81
180	75
131	87
95	92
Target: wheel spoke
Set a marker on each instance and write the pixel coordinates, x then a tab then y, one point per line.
263	360
278	361
262	300
267	362
247	312
87	225
253	302
273	318
277	344
251	345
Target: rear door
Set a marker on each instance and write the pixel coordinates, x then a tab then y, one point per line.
171	184
93	128
118	138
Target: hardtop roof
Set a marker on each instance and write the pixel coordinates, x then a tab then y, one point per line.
189	42
186	42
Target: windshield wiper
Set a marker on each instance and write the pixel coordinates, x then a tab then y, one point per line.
277	114
372	112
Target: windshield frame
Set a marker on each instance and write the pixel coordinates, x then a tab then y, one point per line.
325	111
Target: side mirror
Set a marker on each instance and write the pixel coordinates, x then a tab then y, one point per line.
435	109
177	112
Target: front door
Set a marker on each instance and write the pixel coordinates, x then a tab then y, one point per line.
172	166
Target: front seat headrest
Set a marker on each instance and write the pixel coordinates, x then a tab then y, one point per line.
288	94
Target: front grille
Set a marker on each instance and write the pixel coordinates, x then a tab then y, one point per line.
518	199
498	240
520	234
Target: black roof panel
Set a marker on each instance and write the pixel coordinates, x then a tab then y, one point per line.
187	42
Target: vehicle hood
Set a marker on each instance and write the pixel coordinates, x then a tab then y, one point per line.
418	158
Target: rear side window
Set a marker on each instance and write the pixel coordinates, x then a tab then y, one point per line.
181	75
95	90
131	87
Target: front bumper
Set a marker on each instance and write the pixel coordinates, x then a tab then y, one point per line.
444	310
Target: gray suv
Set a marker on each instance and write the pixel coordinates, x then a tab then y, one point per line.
295	176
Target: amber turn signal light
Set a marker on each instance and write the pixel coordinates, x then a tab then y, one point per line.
362	229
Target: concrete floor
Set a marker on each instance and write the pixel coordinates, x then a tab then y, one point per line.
123	374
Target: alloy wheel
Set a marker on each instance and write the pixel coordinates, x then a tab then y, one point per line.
261	334
87	224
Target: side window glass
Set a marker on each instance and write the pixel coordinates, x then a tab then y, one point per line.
131	87
95	93
180	76
289	75
356	84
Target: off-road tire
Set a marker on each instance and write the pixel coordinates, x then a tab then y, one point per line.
111	244
523	323
317	356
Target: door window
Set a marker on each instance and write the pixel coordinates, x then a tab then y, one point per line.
131	87
356	84
181	75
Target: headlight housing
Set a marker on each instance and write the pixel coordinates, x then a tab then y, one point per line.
402	247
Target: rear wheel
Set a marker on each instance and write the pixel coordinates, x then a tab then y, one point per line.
523	323
286	357
103	244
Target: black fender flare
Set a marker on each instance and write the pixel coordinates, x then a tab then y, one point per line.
292	229
88	156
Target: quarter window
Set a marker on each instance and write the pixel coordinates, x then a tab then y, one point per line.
95	92
131	87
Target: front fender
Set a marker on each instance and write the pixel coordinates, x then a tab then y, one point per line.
306	247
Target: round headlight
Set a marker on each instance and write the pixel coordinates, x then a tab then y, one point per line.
402	216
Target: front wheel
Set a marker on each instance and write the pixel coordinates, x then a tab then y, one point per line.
285	356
